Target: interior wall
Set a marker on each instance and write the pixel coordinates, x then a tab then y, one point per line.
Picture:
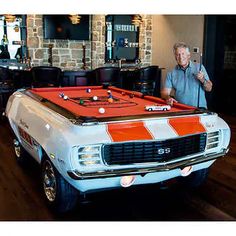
68	54
169	29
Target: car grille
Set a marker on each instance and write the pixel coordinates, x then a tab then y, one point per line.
153	151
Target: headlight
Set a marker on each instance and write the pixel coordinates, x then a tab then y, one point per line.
213	139
89	155
89	149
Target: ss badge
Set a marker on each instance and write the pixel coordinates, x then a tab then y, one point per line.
161	151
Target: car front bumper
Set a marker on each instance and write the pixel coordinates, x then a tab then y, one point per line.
143	171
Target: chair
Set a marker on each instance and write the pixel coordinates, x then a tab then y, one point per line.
129	76
108	76
22	78
148	80
46	76
6	86
75	78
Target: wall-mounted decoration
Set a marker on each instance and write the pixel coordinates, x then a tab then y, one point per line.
64	27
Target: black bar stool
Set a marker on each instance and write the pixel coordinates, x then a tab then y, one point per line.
148	80
46	76
6	87
108	76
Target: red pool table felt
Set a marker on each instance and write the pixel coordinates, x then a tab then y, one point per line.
123	104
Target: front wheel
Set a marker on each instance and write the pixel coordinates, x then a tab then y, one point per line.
20	153
195	179
59	194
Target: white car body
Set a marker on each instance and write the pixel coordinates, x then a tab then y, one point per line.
79	150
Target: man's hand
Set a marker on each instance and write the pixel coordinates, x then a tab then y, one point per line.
165	94
170	101
200	76
207	84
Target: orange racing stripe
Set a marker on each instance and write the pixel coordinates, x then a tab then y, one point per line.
128	131
187	125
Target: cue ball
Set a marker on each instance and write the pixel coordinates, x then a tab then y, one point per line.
65	97
95	98
101	110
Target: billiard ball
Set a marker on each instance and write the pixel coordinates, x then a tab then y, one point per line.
110	100
61	95
95	98
65	97
88	90
109	91
81	101
101	110
123	93
131	95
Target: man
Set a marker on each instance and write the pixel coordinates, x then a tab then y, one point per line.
189	80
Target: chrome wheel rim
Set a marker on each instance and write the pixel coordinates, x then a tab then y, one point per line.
49	181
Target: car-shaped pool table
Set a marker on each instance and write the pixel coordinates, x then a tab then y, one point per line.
82	148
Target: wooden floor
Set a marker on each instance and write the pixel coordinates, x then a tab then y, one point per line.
21	197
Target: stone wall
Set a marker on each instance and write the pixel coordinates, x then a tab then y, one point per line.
98	41
67	54
145	39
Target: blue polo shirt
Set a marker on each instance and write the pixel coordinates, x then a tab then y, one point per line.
186	85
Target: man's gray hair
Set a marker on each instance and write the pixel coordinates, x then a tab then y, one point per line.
181	45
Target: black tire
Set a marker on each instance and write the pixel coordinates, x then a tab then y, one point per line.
20	153
3	118
59	194
195	179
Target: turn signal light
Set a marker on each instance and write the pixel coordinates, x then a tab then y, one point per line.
186	171
127	181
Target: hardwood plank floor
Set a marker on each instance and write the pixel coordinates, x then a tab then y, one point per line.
21	197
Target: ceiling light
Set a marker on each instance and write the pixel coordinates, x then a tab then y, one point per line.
137	19
75	19
10	18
